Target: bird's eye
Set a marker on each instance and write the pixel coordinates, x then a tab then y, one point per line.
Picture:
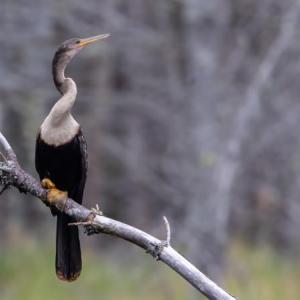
77	42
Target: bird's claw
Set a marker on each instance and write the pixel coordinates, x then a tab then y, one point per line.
48	184
55	197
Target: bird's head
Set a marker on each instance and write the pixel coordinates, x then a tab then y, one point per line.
73	46
66	51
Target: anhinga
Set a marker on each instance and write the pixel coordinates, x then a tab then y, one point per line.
61	157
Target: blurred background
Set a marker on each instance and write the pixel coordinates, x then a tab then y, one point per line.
190	110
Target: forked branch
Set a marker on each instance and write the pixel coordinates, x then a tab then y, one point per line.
11	174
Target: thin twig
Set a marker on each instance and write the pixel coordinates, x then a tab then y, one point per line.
3	157
168	239
5	144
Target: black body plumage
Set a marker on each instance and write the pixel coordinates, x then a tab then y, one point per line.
66	166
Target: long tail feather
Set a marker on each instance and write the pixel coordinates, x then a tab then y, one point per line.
68	253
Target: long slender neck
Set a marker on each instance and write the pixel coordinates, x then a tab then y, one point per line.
62	108
59	127
59	64
66	86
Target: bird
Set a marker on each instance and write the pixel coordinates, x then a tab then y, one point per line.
61	157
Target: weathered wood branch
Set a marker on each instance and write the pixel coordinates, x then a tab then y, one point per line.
11	174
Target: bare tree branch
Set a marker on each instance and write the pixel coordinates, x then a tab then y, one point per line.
11	174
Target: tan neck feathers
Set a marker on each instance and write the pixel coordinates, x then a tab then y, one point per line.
59	126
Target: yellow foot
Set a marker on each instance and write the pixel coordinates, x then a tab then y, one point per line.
55	196
48	184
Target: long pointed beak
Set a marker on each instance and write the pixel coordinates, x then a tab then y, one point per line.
90	40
